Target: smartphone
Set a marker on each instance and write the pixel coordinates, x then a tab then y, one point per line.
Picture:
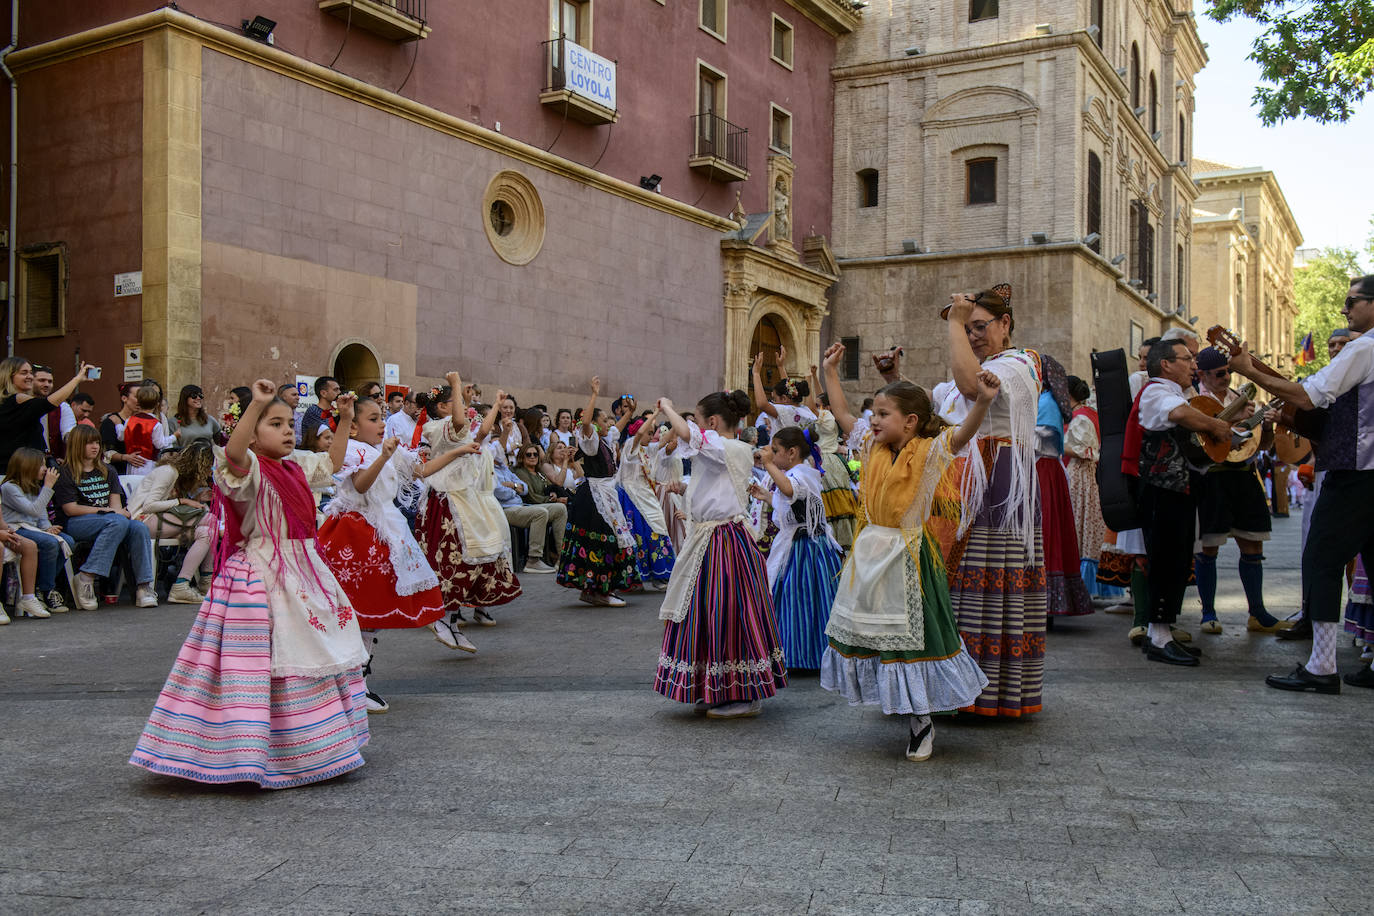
93	373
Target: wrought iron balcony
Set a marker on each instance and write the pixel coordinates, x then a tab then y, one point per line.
720	149
395	20
578	83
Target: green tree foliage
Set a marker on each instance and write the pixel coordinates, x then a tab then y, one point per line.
1319	289
1317	54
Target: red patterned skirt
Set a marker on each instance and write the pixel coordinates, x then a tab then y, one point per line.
1067	593
471	584
362	564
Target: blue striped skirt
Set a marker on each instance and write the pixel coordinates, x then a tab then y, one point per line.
802	597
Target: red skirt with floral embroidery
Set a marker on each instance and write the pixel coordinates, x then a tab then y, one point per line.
362	564
471	584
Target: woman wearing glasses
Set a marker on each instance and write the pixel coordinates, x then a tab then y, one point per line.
191	421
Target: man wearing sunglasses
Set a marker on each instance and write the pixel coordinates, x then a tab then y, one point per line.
1343	518
1230	504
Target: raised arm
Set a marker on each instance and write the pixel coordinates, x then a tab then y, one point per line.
839	405
780	479
339	447
57	397
679	425
988	385
586	425
760	395
365	478
435	465
236	450
962	360
490	420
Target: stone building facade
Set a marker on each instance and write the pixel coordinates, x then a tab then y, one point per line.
1047	146
532	197
1244	243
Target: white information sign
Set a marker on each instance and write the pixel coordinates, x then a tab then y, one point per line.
133	373
129	284
588	75
391	373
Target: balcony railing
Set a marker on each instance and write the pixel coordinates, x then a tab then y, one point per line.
720	149
579	83
395	20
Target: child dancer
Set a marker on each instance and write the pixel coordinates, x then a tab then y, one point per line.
644	513
461	527
893	638
720	645
366	541
785	408
804	564
268	686
599	548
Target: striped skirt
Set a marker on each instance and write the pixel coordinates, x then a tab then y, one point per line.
1359	612
222	717
999	598
802	597
726	649
841	502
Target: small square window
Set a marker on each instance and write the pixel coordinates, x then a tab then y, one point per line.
849	369
981	180
982	9
42	291
713	13
782	42
780	136
868	188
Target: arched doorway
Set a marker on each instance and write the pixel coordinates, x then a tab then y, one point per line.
356	364
767	339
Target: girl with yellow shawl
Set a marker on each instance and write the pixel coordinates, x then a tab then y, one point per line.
893	639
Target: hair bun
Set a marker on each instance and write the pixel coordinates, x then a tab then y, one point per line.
739	402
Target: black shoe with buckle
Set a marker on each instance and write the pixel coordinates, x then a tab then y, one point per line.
1302	679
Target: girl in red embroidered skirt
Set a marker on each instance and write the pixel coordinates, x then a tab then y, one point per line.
367	543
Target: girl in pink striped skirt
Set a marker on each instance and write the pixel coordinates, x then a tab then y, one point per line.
268	686
720	646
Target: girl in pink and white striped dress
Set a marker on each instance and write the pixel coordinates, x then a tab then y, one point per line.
268	686
720	646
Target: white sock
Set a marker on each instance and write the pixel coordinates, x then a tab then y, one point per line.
1323	659
918	723
29	595
1160	635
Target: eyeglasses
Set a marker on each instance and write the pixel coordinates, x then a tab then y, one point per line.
1190	358
977	328
1351	300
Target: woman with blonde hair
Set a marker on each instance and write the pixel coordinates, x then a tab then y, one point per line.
21	413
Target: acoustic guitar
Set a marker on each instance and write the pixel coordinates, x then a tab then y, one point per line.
1247	449
1203	449
1305	424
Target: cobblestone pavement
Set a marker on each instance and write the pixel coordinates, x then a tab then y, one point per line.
544	775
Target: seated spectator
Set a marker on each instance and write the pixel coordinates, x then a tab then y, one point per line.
562	468
143	433
404	415
83	406
22	411
25	496
61	420
90	508
539	489
117	455
173	501
25	552
190	422
510	492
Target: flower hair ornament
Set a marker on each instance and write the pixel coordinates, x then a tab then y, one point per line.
789	386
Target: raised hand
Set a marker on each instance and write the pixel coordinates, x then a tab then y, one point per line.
960	307
834	355
782	356
389	447
344	405
50	477
988	385
264	390
596	386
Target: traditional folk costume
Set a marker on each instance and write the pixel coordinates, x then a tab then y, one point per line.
371	549
893	638
720	644
841	505
998	586
268	686
1082	444
599	547
803	568
644	514
461	528
1359	609
1231	503
667	470
1067	594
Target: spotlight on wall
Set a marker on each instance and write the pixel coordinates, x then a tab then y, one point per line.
1157	135
1193	320
1040	238
911	246
1094	31
1092	238
1118	260
1043	28
1140	111
1121	72
1154	297
260	29
912	51
650	183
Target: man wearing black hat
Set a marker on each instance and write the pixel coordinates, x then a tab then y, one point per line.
1343	519
1230	504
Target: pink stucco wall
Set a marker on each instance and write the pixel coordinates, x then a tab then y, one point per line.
620	290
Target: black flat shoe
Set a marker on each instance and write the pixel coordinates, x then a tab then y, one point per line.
1172	654
1302	679
1195	653
1300	630
1362	678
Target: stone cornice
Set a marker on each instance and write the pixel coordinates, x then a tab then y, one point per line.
835	16
1185	27
129	31
1267	180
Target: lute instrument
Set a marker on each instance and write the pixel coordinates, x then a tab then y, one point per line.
1204	449
1304	424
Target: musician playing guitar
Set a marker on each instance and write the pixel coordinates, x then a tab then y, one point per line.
1343	518
1231	503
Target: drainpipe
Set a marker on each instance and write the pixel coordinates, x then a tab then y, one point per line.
14	172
